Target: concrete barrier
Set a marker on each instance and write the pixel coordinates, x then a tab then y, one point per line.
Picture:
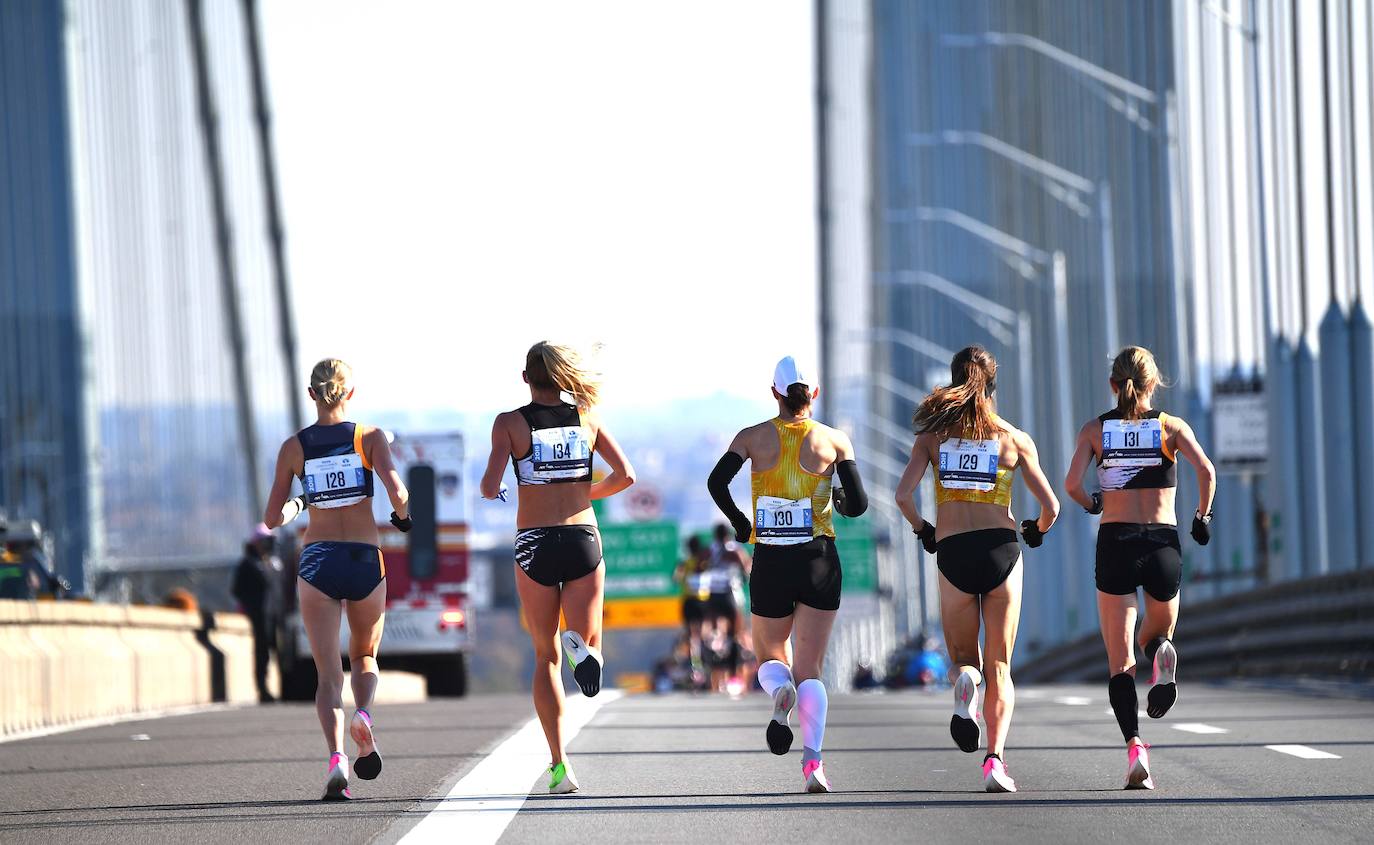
65	662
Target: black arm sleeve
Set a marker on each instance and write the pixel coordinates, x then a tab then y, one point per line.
718	483
855	500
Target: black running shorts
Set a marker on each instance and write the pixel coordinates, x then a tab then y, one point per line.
785	576
1133	554
977	562
558	554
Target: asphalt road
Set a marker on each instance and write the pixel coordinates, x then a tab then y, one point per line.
695	769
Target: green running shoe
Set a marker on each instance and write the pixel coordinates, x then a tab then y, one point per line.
561	779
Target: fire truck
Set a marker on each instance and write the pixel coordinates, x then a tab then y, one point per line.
428	620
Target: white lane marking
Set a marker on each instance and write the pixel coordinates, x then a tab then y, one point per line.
485	800
105	721
1074	700
1030	695
140	738
1110	712
1304	752
1199	728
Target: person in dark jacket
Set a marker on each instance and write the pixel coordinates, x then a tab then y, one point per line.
258	590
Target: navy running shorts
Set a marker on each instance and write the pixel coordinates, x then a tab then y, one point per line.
342	571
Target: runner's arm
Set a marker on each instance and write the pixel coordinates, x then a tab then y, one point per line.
1078	465
851	499
1038	484
911	479
490	486
718	484
280	508
1185	444
622	473
379	454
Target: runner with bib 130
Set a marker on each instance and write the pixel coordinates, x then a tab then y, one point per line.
794	582
557	545
1135	447
975	454
341	567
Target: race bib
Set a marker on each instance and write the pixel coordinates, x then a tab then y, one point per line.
335	480
969	464
1132	443
560	453
782	522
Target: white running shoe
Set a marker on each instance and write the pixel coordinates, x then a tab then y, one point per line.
1138	767
779	733
1163	689
995	777
963	725
813	772
586	663
336	786
561	779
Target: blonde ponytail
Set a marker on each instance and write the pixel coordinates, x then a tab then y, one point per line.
1135	375
965	407
331	379
553	367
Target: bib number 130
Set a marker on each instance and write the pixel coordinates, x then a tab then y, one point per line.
779	521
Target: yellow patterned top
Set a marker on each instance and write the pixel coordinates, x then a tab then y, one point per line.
1000	494
789	480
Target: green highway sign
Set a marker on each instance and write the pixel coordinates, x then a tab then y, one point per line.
858	558
640	559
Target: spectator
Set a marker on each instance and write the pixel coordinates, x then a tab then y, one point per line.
180	598
258	589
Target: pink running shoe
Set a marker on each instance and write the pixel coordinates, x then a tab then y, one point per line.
814	774
336	788
1138	767
995	777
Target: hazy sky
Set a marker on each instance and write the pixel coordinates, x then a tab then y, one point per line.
461	180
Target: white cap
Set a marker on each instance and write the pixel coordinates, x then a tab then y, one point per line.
788	372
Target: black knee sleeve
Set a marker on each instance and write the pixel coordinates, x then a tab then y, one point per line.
1121	692
1152	646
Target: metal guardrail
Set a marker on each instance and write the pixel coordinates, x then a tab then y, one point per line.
1317	626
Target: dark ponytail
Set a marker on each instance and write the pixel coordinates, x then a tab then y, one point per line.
798	398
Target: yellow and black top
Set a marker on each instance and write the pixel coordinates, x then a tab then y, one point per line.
1135	453
791	504
971	471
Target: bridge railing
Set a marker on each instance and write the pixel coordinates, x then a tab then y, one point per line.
1316	626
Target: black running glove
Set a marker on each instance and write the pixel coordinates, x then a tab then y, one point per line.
1031	533
927	536
402	525
1097	504
1202	528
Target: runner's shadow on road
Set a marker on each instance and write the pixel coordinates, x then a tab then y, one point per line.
200	764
